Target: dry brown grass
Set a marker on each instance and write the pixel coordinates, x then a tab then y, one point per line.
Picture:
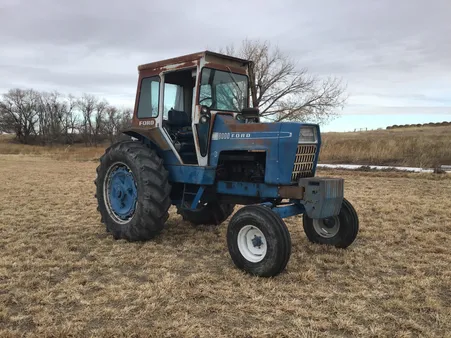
61	274
77	152
416	147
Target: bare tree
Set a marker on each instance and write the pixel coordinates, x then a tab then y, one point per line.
19	113
282	91
52	108
111	123
115	122
125	120
70	122
96	128
86	105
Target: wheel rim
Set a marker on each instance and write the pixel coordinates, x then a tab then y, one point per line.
120	192
327	227
252	243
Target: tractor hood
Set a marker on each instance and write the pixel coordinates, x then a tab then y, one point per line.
290	155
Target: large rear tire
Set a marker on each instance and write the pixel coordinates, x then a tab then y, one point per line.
339	231
259	241
211	213
132	191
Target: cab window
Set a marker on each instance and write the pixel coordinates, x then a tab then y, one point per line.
149	97
173	98
223	90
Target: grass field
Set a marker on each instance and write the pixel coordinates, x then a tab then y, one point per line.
76	152
61	274
424	147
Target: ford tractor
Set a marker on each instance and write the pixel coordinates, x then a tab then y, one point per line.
195	143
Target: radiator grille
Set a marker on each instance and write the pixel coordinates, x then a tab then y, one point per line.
303	164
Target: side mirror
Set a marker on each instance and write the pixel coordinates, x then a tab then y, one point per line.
250	112
249	115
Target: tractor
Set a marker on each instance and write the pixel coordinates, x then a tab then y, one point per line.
196	143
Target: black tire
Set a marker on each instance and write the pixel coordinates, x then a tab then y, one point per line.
152	191
325	231
276	236
211	213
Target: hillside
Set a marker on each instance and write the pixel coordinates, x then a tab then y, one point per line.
416	147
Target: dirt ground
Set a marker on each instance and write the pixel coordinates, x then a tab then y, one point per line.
61	274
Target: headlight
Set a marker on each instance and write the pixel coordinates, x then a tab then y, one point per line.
307	135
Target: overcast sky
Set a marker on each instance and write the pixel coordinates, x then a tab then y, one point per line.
395	55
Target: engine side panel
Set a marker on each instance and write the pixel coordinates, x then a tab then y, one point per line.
278	140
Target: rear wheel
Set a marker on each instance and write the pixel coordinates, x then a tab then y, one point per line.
340	230
259	241
132	191
210	213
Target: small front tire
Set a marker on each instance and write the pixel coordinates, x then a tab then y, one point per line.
259	241
339	231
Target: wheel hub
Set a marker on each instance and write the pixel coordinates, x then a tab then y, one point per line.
327	227
257	241
252	243
121	192
329	222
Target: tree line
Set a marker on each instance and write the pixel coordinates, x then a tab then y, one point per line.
430	124
49	118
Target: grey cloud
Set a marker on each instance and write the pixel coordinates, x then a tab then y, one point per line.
397	50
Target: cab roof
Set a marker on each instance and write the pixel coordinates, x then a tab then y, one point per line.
190	58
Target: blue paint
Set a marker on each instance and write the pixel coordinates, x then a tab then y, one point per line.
257	135
255	143
261	190
278	140
315	163
168	157
191	174
286	210
289	210
122	192
287	154
197	197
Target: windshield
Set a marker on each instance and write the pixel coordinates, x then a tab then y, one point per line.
223	90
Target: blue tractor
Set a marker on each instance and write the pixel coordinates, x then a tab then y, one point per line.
196	144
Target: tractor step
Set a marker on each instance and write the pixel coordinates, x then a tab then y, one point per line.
191	203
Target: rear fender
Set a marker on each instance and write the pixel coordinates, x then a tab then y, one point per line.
156	138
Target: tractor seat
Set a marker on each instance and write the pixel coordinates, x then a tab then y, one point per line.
180	121
178	118
180	124
185	134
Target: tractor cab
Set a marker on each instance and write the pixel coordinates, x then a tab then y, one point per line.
177	100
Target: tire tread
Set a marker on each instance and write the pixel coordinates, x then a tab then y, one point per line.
152	178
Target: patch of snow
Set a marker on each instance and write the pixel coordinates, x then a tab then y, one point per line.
381	167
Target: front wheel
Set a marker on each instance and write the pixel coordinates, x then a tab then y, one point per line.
259	241
339	231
